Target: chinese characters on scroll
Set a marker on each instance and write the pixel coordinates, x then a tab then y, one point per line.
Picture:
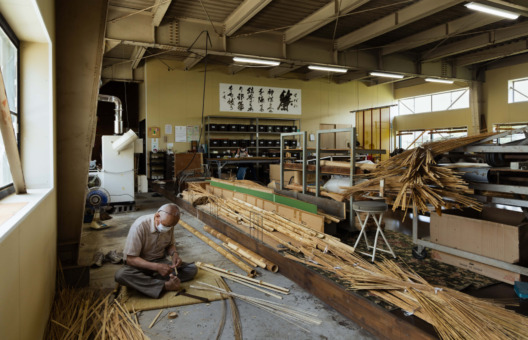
259	99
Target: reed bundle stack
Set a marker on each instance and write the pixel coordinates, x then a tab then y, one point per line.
412	179
453	314
88	314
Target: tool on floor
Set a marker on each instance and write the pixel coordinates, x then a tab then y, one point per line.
184	292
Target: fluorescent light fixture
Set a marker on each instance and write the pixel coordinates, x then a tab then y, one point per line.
256	61
386	75
437	80
492	10
328	69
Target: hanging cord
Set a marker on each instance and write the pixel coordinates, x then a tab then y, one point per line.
207	43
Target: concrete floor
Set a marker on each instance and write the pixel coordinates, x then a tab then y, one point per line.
200	321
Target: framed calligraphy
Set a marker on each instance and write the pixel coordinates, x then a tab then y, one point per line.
259	99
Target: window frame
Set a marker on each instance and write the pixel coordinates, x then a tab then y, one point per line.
512	90
8	189
430	97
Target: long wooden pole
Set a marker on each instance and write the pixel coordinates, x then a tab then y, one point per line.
250	271
10	143
259	260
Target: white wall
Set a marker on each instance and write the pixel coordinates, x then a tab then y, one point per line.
28	240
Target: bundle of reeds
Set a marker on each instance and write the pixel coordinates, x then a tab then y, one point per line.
412	178
454	315
90	314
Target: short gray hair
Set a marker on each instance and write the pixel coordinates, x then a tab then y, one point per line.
171	209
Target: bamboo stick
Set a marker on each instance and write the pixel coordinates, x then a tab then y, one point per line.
155	319
237	325
206	266
262	262
250	271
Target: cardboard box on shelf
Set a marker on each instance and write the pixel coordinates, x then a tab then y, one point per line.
494	233
476	267
295	176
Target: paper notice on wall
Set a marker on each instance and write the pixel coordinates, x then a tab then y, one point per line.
168	129
154	144
193	133
180	134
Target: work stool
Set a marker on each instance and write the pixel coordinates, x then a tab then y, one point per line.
372	208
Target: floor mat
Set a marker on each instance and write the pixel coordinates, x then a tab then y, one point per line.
135	301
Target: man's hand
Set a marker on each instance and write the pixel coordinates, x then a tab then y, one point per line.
176	261
165	269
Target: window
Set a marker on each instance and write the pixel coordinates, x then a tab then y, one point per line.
509	127
518	90
9	46
442	101
412	139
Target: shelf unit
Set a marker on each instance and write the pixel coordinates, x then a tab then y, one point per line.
157	165
223	135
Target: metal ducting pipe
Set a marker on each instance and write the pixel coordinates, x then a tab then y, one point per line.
118	122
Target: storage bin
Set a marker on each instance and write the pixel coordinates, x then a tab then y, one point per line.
242	128
233	127
211	127
222	127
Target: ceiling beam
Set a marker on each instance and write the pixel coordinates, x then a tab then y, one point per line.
393	21
315	75
351	76
493	53
159	10
482	40
282	70
137	56
234	69
110	45
440	32
242	14
192	60
319	18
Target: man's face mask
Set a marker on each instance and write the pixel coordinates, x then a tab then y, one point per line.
162	229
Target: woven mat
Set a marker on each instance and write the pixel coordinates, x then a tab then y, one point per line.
135	301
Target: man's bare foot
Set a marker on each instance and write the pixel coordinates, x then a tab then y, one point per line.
173	283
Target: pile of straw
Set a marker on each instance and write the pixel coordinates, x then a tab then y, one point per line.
90	314
453	314
412	178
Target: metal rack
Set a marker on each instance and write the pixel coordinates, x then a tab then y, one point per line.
521	147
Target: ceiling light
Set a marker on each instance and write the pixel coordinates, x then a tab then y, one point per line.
437	80
328	69
386	75
256	61
492	10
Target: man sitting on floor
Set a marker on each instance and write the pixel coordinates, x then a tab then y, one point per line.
150	239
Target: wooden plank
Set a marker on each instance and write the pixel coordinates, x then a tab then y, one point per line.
325	169
377	320
188	162
328	206
269	196
310	220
